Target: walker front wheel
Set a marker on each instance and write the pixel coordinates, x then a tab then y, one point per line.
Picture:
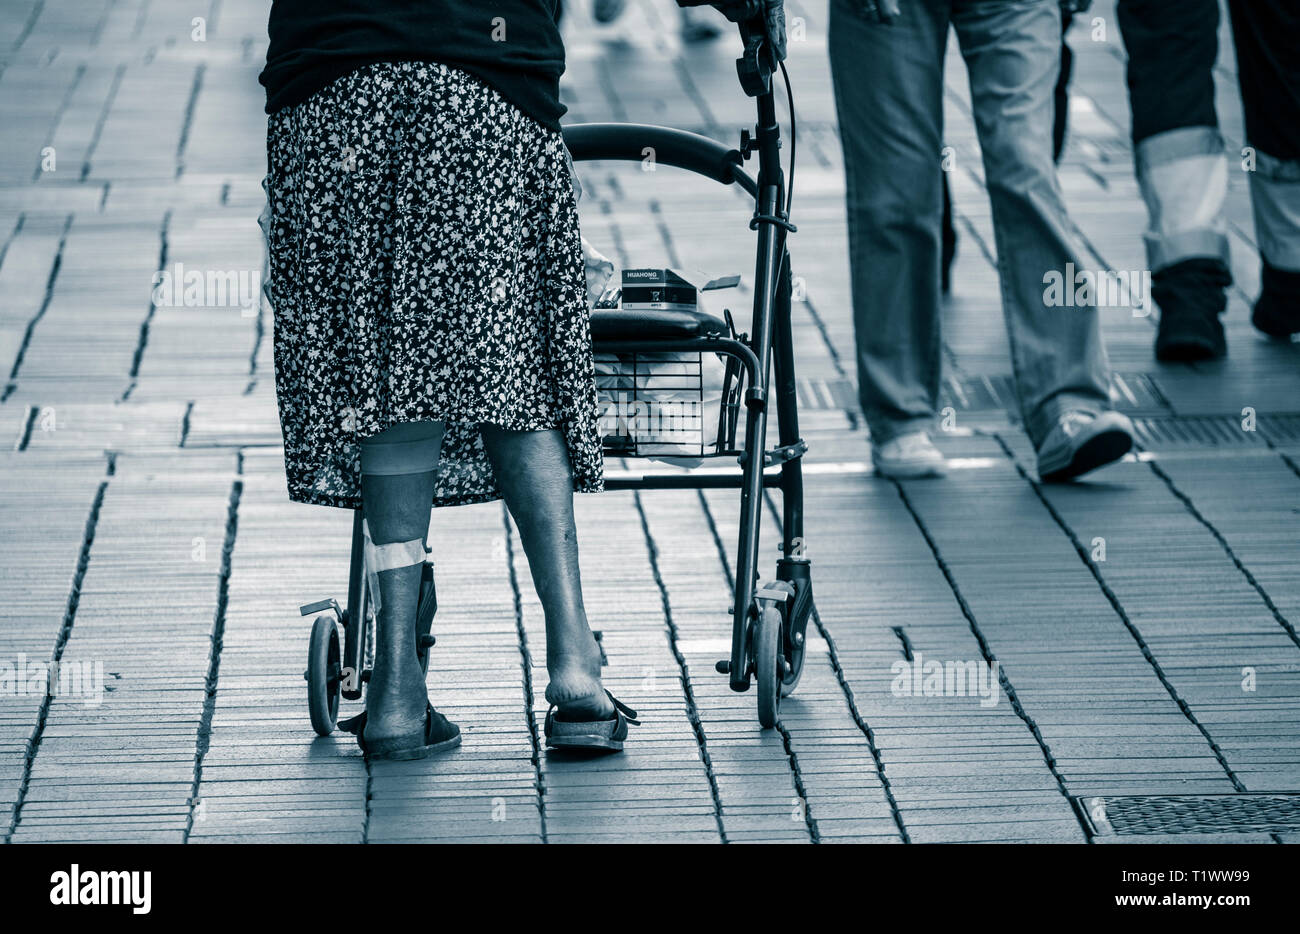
324	675
769	662
794	631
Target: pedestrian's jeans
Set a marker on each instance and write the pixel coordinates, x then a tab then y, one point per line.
889	91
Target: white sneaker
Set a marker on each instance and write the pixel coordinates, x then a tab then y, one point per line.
909	455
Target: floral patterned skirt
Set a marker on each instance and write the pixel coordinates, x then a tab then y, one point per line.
425	265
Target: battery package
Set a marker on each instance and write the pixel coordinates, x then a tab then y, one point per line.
657	290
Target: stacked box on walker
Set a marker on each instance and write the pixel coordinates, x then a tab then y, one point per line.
658	404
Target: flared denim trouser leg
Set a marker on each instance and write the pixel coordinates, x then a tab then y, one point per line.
889	92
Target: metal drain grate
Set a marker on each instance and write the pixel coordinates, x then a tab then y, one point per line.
1215	431
1195	431
1129	392
1164	814
1281	429
1133	393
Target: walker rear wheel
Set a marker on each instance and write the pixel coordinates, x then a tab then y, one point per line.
427	607
324	674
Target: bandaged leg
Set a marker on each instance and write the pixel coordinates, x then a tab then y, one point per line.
410	450
390	557
398	471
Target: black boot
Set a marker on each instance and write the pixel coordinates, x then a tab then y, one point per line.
1191	296
1277	310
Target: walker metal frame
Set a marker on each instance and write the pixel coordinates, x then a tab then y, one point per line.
769	622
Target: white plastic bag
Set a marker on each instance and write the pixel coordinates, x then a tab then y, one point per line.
670	407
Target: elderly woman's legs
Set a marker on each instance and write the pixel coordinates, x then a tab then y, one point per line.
533	472
398	469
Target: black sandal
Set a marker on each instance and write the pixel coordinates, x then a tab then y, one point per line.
594	735
439	734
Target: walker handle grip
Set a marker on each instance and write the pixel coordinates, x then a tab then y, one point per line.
755	65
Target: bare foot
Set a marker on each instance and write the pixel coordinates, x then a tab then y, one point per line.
575	688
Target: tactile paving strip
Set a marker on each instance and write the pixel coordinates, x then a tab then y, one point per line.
1166	814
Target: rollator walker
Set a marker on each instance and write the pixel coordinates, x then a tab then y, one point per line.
769	618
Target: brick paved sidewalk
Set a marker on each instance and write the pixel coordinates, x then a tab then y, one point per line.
1143	623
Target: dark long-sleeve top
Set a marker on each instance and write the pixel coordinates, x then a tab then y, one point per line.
512	45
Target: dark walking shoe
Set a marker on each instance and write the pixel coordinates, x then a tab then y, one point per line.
1081	441
1277	310
1191	296
590	735
439	734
